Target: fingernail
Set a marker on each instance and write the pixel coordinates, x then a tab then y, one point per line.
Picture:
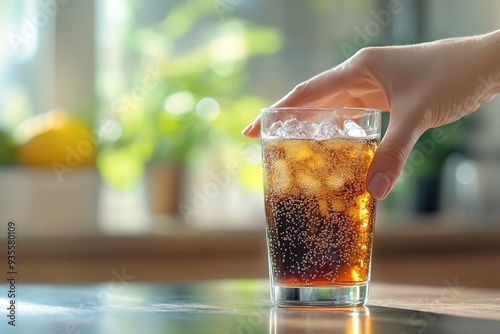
247	129
379	184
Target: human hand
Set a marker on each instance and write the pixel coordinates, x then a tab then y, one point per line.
423	86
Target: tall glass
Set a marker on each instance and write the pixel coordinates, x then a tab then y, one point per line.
319	213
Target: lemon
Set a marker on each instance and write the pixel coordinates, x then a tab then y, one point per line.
55	138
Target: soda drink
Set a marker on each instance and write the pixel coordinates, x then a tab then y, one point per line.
319	214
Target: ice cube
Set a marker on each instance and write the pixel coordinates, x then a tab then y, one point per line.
294	129
317	163
288	128
326	130
352	129
280	177
274	128
335	182
302	153
308	184
306	129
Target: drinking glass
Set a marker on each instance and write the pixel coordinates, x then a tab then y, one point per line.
320	216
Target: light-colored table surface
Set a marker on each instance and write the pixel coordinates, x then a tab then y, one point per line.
451	299
242	306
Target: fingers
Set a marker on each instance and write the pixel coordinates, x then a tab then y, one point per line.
252	130
315	91
350	84
391	155
297	97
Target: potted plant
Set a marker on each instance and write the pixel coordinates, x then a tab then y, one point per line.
199	101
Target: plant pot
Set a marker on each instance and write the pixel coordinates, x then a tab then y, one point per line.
163	186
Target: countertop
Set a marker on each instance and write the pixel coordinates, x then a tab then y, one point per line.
241	306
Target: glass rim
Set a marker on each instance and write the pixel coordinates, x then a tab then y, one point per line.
306	109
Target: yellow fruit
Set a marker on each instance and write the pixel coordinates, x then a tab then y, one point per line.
54	139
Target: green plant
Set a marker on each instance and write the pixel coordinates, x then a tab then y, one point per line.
7	149
203	96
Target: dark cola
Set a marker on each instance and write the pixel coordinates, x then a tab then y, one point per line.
320	216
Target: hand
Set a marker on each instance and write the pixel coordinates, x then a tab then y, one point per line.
423	86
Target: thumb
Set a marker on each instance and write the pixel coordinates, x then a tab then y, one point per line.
391	155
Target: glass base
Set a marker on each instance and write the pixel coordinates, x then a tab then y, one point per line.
335	295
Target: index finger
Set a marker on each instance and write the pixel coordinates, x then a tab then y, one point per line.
349	84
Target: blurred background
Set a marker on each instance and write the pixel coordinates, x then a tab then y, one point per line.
120	141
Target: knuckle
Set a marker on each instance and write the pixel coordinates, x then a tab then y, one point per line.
301	91
301	88
366	55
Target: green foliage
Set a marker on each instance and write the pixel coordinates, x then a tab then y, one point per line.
7	149
435	145
203	96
